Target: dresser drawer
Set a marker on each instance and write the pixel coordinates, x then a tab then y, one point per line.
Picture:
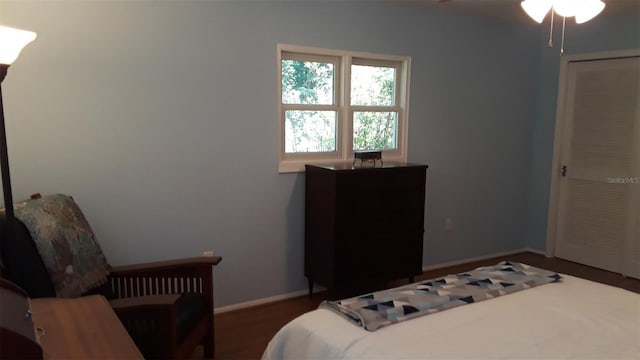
385	201
379	180
360	224
383	256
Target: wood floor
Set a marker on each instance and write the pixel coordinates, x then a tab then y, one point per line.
244	334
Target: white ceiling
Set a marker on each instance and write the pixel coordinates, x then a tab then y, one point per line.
510	9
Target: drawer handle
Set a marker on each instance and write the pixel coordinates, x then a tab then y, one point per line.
28	314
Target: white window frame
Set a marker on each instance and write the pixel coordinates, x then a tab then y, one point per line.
289	162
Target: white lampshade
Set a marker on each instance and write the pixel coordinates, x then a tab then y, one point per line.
12	41
566	8
588	10
537	9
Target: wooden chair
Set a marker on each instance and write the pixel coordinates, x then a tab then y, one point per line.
167	306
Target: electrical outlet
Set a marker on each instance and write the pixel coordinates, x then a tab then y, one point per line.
448	224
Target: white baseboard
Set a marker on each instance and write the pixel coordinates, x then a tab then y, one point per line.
242	305
480	258
535	251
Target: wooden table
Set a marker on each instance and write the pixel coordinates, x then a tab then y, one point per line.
81	328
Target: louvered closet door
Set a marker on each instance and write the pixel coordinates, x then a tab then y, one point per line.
598	210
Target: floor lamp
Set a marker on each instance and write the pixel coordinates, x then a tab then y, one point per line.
12	41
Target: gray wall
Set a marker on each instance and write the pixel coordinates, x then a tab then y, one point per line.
603	33
160	118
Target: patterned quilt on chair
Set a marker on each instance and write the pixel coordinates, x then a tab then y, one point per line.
382	308
66	243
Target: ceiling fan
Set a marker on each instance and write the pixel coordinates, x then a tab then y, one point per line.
581	10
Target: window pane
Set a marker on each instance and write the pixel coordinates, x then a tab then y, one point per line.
310	131
307	82
375	130
373	85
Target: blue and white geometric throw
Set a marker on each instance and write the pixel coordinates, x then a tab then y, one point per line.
375	310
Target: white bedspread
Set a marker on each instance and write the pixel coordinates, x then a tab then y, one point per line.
573	319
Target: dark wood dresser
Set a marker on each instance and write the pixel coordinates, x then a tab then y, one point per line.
363	225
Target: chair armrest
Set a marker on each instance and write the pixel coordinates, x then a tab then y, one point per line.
160	266
144	302
150	321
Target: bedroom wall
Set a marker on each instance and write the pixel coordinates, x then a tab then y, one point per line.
160	119
604	33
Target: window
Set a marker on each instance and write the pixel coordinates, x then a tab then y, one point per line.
332	103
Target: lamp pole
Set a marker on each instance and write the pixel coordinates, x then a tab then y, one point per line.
11	43
4	156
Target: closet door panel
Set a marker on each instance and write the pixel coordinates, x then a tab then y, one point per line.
598	209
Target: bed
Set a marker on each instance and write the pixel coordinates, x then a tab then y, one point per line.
570	319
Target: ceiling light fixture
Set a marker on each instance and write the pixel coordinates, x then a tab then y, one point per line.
582	10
